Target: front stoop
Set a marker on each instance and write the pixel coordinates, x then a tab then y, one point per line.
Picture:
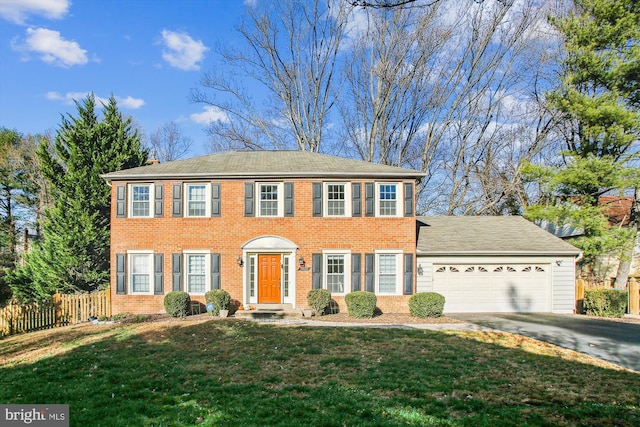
269	312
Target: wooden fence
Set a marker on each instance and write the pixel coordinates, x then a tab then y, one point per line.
633	287
60	310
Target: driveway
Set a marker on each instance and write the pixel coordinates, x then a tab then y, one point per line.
616	342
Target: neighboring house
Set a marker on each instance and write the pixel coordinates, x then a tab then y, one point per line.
605	267
495	264
267	226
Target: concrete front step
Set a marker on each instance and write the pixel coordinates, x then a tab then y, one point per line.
269	311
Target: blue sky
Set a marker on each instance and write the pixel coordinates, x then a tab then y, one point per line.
146	53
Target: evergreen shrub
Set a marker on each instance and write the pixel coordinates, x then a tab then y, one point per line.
176	303
220	300
605	302
426	304
318	300
361	304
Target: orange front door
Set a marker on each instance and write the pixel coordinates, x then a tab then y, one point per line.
269	279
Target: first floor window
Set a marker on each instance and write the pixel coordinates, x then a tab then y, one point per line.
387	273
335	274
140	265
196	273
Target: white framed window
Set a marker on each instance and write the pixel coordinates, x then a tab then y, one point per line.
389	272
197	275
270	199
140	272
388	199
337	271
337	199
197	199
140	200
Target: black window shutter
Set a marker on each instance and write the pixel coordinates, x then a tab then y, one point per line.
158	200
176	270
356	271
158	276
249	204
215	271
408	199
121	274
177	200
408	274
316	271
369	272
121	201
369	199
215	199
317	199
356	199
288	199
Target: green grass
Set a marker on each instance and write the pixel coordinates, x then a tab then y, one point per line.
228	372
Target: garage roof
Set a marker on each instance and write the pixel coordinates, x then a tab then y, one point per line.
487	235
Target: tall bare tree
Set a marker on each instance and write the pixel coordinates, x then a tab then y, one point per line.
168	143
292	53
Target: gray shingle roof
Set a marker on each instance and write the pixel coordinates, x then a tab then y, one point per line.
487	235
263	164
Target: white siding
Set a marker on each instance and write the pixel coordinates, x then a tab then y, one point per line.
556	292
564	285
424	282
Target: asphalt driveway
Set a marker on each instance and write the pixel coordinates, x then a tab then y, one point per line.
616	342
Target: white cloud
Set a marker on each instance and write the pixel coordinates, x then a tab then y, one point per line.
181	51
210	114
17	11
52	48
68	98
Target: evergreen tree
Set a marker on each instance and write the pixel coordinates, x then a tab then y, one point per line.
599	98
74	253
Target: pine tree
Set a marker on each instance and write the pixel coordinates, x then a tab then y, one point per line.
599	98
74	253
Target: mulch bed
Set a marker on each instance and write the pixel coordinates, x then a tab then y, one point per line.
385	318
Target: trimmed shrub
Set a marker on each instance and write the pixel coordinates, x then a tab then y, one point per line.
605	302
319	299
176	303
426	304
361	304
220	300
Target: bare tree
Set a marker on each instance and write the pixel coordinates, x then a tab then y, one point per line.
168	143
452	90
292	54
384	107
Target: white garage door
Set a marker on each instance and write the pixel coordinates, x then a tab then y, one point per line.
493	287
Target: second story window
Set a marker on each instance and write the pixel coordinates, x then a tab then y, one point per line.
388	199
140	204
196	200
269	200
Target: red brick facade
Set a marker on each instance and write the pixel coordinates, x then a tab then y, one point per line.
226	235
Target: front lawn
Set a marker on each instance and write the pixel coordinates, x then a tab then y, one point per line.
241	373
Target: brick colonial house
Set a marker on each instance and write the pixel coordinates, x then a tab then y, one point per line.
267	226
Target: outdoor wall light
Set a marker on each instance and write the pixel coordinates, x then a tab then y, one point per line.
301	262
558	262
240	262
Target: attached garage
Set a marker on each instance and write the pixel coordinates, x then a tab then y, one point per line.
495	264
